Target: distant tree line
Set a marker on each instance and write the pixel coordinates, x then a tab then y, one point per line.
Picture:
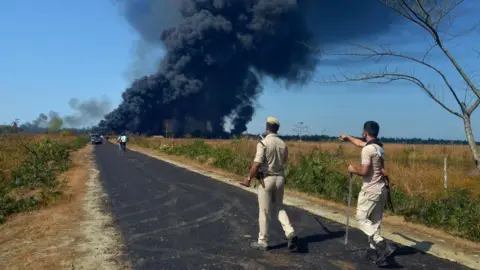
310	138
325	138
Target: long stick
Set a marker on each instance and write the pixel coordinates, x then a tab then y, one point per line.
445	174
348	207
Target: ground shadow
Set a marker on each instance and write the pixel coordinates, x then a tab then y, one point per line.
303	242
419	247
370	255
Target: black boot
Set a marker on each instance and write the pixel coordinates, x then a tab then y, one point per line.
384	250
371	255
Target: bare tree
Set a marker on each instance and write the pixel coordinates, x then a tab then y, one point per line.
428	15
300	129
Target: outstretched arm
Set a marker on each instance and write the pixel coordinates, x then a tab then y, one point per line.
353	140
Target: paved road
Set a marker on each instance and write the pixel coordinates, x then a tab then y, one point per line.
171	218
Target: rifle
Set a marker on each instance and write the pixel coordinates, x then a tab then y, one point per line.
389	194
259	175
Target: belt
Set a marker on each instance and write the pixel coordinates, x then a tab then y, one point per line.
273	174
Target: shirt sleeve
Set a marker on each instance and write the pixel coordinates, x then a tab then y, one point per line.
366	156
259	154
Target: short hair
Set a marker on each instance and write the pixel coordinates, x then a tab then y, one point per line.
371	128
272	127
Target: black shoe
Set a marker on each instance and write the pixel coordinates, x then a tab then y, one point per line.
258	246
292	242
384	251
371	255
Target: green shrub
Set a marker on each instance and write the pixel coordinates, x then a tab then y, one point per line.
43	162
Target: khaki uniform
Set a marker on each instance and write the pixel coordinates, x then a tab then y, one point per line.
272	156
373	194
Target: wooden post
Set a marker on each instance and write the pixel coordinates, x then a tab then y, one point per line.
445	175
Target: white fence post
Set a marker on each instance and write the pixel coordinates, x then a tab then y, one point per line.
445	175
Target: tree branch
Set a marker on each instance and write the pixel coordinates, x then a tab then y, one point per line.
372	53
447	12
432	29
388	77
478	53
461	71
474	106
402	11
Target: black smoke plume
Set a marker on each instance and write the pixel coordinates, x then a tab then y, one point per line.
217	51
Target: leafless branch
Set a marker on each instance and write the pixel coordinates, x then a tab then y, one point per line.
369	53
418	14
463	33
474	106
447	12
478	53
428	51
386	77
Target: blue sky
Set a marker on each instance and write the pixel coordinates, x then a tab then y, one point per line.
54	50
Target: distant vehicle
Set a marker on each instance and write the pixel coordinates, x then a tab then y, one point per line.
95	138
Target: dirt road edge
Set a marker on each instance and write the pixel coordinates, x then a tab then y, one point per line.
103	247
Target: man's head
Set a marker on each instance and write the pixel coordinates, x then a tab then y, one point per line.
370	130
272	125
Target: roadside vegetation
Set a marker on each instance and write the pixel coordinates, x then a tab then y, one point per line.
320	169
30	166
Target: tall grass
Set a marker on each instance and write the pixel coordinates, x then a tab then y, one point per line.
416	169
29	166
320	171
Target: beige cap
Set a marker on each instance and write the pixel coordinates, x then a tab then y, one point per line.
273	120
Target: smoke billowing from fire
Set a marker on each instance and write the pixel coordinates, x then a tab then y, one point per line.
86	113
217	51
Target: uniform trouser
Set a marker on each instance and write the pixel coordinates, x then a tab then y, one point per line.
370	212
270	201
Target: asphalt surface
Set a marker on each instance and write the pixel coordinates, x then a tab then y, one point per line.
171	218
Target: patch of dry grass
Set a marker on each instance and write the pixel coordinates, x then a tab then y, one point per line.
29	165
13	151
416	169
46	239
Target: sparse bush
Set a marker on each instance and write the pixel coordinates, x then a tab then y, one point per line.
32	180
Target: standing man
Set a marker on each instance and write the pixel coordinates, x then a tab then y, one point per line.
122	140
271	157
373	194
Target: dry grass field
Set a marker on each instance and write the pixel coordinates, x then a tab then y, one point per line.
13	151
29	166
416	169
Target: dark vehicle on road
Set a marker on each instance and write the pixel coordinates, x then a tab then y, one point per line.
95	138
